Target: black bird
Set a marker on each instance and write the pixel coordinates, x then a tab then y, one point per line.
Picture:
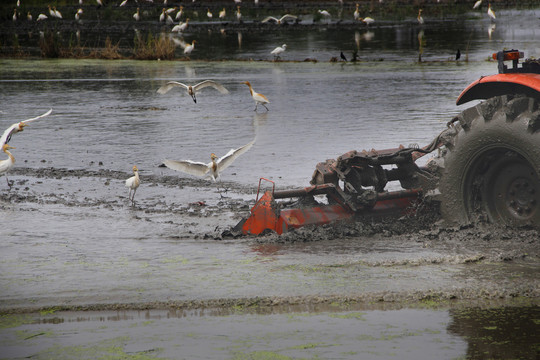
343	56
458	55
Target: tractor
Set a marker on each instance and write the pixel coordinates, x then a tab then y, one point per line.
484	166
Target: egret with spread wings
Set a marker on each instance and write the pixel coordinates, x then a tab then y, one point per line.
192	90
281	20
214	168
17	127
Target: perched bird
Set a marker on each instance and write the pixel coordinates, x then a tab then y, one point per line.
42	17
367	20
180	27
57	13
419	17
208	13
356	13
477	4
171	10
222	14
133	183
52	12
192	90
17	127
257	97
281	20
490	12
342	56
458	54
6	165
78	14
137	15
29	16
213	169
277	51
162	16
14	14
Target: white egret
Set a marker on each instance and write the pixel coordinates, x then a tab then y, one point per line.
99	2
17	127
123	3
419	17
29	16
180	27
257	97
281	20
6	165
137	15
179	13
491	13
188	48
325	13
192	90
477	4
367	20
211	170
238	14
222	14
133	183
51	12
57	13
42	17
279	50
356	13
209	13
14	14
171	10
162	16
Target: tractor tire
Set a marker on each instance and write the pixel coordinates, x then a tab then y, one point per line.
491	165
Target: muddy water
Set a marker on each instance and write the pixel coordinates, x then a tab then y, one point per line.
71	241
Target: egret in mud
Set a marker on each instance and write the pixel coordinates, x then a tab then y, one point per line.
6	165
192	90
257	97
17	127
133	183
281	20
278	51
491	13
211	170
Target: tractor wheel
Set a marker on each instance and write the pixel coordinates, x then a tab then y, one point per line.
492	164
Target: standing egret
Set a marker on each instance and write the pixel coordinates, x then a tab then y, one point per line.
17	127
209	13
188	48
14	14
491	13
6	165
137	15
29	16
238	14
356	13
477	4
171	10
281	20
133	183
162	16
180	27
57	13
419	17
222	14
277	51
42	17
257	97
192	90
51	12
213	169
179	13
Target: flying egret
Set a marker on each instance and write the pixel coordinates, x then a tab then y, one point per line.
133	183
257	97
222	14
213	169
17	127
137	15
419	17
6	165
490	12
277	51
192	90
281	20
477	4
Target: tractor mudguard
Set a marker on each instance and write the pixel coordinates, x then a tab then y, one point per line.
501	84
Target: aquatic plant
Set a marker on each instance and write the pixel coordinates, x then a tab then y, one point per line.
161	48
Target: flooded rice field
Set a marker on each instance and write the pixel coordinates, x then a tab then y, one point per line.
84	272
